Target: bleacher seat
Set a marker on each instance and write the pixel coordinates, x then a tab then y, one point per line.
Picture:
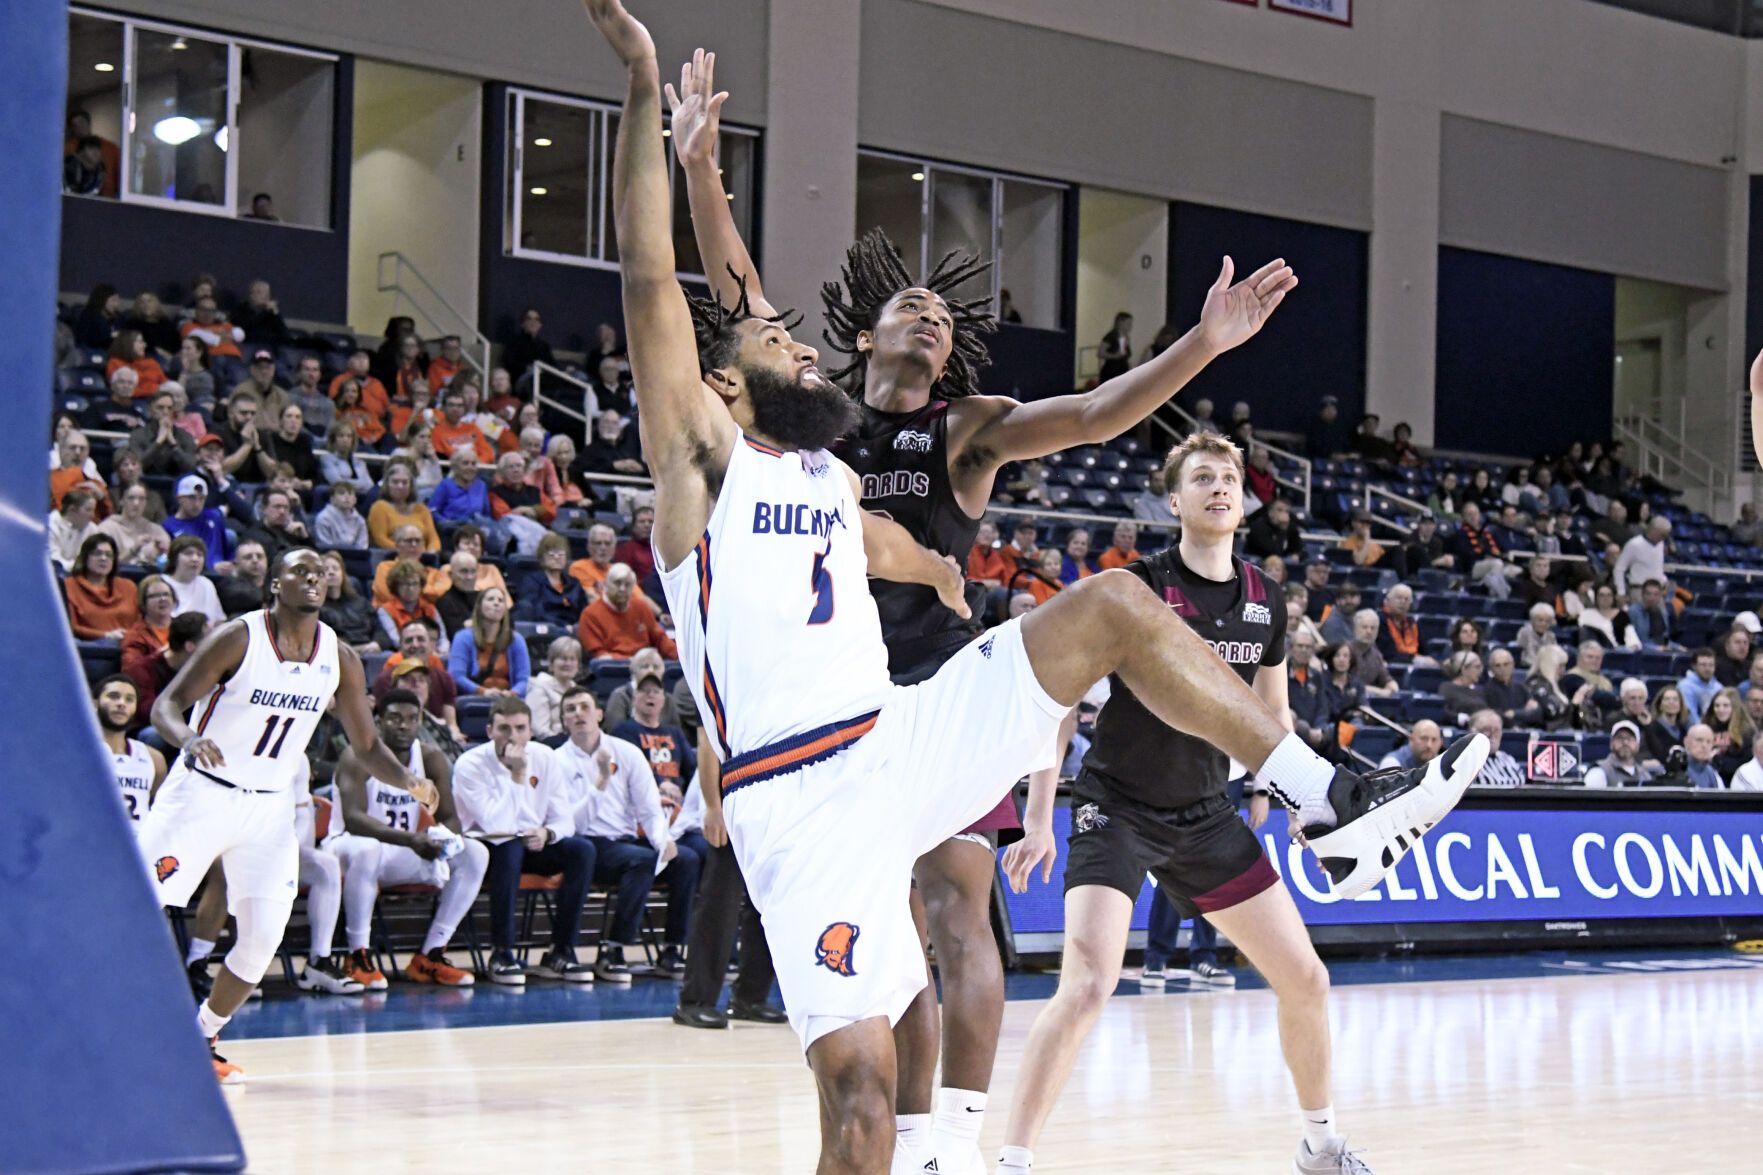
474	717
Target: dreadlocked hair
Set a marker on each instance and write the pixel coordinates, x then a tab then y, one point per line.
715	324
873	273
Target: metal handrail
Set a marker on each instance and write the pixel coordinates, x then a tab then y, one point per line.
540	369
464	326
1376	491
1301	486
1659	455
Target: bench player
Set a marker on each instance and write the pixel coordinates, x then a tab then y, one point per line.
834	780
928	450
383	843
1151	799
258	686
139	769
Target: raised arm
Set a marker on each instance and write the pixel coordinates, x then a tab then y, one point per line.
686	432
697	117
1231	316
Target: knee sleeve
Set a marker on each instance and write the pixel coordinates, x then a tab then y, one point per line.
320	869
262	921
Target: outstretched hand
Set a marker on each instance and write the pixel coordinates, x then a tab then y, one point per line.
697	110
952	589
624	32
1233	314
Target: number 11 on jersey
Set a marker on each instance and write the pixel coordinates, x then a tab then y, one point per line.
269	733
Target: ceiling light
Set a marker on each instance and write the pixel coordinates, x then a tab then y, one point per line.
918	177
105	67
180	43
541	142
220	138
538	191
176	130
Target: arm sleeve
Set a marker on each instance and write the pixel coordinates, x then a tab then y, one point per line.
520	665
469	794
388	626
462	662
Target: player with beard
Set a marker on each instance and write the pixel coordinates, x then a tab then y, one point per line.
139	768
1151	799
259	685
790	670
928	450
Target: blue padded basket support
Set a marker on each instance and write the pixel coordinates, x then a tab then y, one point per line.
110	1073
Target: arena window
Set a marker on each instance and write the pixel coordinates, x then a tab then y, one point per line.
557	171
929	209
206	122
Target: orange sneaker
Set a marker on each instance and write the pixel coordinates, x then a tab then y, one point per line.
224	1073
434	968
358	965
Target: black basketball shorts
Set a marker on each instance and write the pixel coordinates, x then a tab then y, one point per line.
1203	856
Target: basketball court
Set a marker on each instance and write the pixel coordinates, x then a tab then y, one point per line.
1589	1063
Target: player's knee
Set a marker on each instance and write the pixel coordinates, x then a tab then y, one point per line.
1085	989
1120	601
325	866
260	928
862	1113
1308	983
473	860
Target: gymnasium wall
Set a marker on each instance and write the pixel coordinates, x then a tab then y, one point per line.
1522	341
1123	264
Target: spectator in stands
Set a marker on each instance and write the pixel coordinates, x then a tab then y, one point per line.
1632	697
544	693
309	393
1464	634
984	564
463	497
1425	741
155	604
607	452
512	794
1403	452
193	373
411	365
521	509
98	320
1745	531
526	347
1613	527
1115	352
1367	444
241	591
165	449
1398	637
635	552
1643	556
1297	599
239	436
1555	710
1606	621
370	429
561	453
1732	662
1478	552
185	559
155	672
1671	718
1153	504
340	463
1370	667
1732	729
549	594
1446	499
1652	617
1500	769
456	604
1336	625
644	662
291	445
277	528
1699	771
407	547
418	452
1367	551
621	621
1749	776
502	399
261	315
397	506
592	570
1460	690
1123	549
405	581
208	325
71	458
129	351
1077	563
1754	683
1540	632
470	539
71	527
1343	693
188	421
137	539
454	434
1502	693
120	412
1623	767
1019	553
489	657
125	472
1259	478
1305	696
1316	588
443	367
1273	569
1328	436
370	392
1592	693
347	611
260	381
1043	581
1482	491
1537	587
1273	531
416	643
541	471
1699	685
339	524
101	605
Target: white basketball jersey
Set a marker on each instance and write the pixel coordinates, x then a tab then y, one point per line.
777	631
134	775
393	806
264	715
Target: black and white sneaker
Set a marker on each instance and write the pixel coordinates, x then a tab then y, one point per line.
559	965
327	975
670	963
507	972
610	966
1384	814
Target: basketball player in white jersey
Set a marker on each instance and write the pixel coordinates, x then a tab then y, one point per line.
384	842
139	769
834	780
257	685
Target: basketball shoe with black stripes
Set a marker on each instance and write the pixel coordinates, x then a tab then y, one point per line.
1382	815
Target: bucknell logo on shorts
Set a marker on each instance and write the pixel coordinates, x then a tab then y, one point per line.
833	951
165	867
1256	614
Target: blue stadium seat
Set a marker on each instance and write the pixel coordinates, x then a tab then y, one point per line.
474	717
1425	678
80	379
100	659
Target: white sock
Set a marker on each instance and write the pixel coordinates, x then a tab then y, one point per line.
1015	1160
960	1112
1300	777
210	1021
912	1130
200	949
1319	1129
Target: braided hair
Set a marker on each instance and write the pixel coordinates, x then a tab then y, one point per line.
873	273
715	325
